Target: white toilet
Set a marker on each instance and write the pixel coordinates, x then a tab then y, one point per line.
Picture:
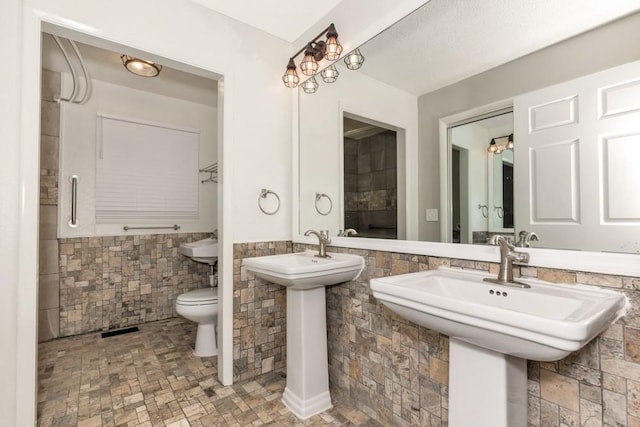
201	306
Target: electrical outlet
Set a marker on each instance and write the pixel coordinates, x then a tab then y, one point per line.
432	215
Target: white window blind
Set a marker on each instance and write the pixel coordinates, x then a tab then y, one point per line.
145	171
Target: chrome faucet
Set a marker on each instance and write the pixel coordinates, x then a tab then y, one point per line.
348	232
508	255
526	238
323	241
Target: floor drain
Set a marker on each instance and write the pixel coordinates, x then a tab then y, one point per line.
120	332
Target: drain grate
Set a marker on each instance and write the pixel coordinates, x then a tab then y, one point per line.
120	332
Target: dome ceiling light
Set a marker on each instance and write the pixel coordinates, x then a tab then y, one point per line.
140	67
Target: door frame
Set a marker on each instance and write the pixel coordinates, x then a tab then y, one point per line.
444	125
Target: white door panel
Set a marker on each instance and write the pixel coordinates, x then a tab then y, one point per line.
576	176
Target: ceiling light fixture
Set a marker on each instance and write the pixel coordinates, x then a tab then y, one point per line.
314	51
494	148
140	67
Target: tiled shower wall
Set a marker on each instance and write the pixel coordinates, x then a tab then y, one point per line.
114	282
397	372
371	185
49	277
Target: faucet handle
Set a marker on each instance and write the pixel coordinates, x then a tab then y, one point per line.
325	235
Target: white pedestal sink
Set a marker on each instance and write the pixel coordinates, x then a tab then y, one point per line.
305	276
494	329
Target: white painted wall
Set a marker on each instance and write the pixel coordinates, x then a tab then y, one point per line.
12	211
321	141
78	148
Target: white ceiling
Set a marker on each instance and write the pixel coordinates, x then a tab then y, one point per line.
446	41
286	19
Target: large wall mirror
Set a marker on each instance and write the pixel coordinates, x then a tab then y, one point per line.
400	148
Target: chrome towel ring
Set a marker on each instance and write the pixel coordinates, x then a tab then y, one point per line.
485	210
320	196
263	195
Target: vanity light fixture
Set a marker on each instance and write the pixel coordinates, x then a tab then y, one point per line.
316	50
354	60
141	67
309	64
291	78
509	145
494	148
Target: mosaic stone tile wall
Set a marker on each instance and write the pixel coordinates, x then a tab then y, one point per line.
49	276
370	181
118	281
259	315
397	372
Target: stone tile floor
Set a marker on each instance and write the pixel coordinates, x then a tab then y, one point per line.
151	378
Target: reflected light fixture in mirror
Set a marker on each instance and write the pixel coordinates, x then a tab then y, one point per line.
494	148
310	85
354	60
140	67
330	74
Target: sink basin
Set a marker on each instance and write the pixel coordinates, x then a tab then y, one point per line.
204	251
545	322
304	270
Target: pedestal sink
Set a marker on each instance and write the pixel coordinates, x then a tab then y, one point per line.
493	329
305	275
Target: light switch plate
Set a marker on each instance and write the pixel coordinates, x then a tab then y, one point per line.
432	215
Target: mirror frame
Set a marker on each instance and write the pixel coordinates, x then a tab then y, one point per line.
585	261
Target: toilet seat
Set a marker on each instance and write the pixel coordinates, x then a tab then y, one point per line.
205	296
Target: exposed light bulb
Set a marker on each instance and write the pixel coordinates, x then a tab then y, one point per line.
290	77
333	48
309	65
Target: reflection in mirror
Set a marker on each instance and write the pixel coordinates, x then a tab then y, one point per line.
480	203
410	81
370	179
501	184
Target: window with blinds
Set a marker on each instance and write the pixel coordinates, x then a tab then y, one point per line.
145	171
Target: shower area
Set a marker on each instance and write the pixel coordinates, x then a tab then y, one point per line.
370	179
96	271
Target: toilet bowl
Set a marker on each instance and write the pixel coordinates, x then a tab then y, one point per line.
201	306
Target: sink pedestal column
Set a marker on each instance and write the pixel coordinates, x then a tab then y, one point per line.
486	388
307	390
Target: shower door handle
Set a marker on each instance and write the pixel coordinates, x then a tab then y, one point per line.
73	222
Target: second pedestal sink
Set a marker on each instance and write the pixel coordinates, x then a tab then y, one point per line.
305	275
493	329
305	270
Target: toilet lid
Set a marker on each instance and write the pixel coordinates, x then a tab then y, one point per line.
207	295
